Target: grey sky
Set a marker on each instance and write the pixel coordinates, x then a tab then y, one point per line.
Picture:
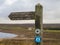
51	9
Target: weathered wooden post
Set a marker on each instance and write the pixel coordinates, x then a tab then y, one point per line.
38	24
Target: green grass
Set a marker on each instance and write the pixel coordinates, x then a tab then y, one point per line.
11	28
52	30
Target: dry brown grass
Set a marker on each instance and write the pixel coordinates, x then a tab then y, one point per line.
49	36
17	42
28	41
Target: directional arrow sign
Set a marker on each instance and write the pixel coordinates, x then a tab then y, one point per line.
22	15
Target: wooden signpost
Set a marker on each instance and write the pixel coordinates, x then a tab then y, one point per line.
37	15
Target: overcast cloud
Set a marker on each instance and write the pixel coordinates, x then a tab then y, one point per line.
51	9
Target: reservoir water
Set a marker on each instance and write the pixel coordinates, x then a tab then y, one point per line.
7	35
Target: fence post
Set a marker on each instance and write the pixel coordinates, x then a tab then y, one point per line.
39	21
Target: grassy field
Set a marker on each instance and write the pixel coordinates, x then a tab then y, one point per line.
4	27
28	33
11	28
52	30
27	42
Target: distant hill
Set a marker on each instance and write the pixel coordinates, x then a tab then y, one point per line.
45	26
